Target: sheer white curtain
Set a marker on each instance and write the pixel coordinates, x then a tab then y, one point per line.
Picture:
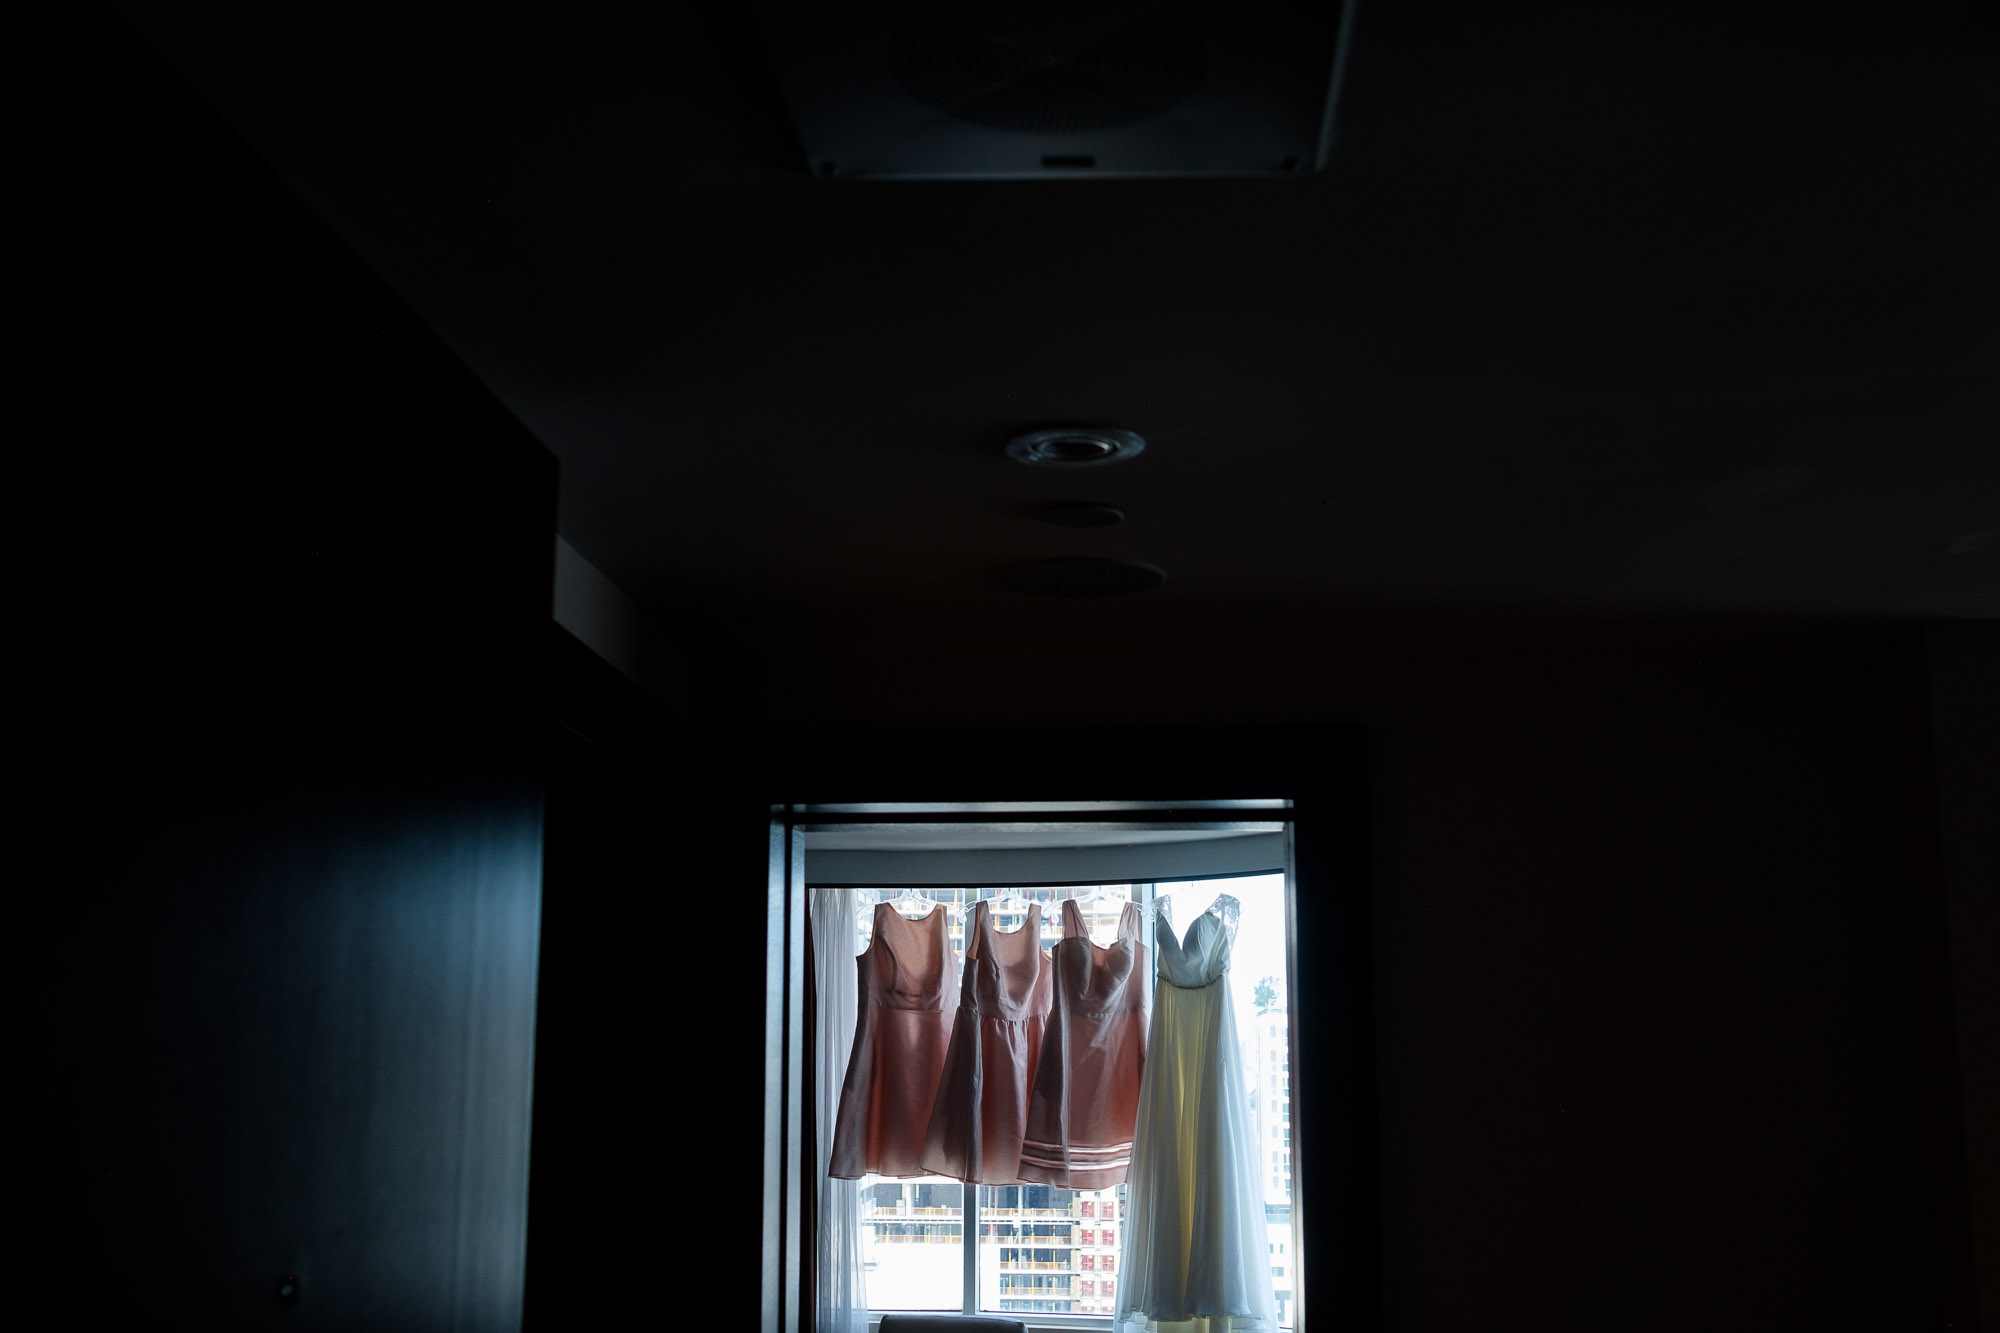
842	1304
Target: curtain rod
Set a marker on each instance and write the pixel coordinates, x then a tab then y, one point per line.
1045	883
1192	818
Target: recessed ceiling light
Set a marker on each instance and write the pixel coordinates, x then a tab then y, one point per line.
1074	446
1083	515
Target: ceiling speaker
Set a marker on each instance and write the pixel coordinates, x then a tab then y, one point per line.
1055	89
1085	576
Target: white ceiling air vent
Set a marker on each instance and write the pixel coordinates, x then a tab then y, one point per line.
1058	88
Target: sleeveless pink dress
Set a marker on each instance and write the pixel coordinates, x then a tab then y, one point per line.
982	1097
1086	1096
900	1038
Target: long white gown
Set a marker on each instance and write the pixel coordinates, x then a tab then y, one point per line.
1195	1257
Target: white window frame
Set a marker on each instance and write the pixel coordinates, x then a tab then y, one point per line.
784	1305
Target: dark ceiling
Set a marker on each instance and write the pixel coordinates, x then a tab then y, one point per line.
1643	307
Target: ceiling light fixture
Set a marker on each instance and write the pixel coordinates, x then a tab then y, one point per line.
1082	515
1074	446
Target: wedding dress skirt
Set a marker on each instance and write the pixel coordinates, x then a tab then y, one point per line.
1195	1257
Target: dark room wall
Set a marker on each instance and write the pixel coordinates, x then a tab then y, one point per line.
1964	699
285	579
1659	932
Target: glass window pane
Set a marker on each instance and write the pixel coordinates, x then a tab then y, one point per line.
1037	1242
1259	990
1043	1277
913	1243
1042	1274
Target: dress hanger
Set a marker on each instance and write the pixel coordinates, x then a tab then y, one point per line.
1103	893
910	898
1224	907
1009	900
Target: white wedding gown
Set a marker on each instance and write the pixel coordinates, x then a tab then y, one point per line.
1195	1255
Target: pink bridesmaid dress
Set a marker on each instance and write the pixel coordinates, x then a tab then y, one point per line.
1086	1097
981	1109
900	1039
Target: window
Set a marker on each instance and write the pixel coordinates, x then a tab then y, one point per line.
909	1273
1046	1220
1034	1244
